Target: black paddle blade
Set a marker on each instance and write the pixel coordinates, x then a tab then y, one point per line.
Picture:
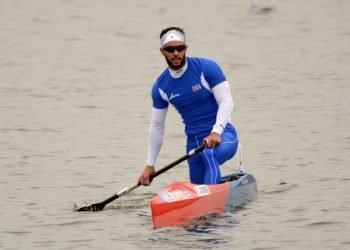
91	208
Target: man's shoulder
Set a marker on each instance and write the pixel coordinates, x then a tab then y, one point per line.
162	77
201	61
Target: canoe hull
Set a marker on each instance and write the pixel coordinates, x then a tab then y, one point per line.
181	202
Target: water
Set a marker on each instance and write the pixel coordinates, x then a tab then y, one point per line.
74	105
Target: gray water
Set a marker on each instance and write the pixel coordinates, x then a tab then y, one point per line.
75	78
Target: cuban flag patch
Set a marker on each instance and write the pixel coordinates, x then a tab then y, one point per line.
196	87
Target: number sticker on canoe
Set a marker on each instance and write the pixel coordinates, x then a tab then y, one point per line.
202	190
174	196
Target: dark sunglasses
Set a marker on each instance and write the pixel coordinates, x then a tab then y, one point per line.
171	49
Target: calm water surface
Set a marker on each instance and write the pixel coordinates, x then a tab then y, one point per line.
74	106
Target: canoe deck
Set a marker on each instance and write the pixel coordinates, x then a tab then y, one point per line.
182	202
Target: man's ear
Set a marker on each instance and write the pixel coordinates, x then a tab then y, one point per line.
162	51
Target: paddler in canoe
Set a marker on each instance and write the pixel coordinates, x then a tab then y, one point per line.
200	92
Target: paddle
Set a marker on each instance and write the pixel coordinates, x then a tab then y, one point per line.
100	205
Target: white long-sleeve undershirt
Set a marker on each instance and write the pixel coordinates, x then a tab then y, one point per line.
222	94
156	135
223	97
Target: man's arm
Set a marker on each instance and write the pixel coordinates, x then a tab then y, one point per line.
155	142
222	94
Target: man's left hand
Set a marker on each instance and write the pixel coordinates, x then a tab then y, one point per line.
213	140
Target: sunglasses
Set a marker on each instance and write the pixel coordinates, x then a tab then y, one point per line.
171	49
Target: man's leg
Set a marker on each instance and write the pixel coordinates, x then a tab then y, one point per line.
197	169
214	157
205	167
212	167
195	162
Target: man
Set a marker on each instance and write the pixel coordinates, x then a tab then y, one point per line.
198	89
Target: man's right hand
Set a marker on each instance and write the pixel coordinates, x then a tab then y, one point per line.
144	178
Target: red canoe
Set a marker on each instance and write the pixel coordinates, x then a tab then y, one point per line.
181	203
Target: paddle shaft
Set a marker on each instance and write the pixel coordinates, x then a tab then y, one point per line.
158	172
183	158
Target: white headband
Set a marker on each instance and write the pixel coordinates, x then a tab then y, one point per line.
172	35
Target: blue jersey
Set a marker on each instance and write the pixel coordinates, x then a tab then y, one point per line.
191	94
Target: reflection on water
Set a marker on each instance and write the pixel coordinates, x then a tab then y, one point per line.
74	105
211	231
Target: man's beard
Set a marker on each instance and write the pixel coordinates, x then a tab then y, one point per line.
177	67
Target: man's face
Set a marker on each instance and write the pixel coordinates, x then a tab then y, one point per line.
175	54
